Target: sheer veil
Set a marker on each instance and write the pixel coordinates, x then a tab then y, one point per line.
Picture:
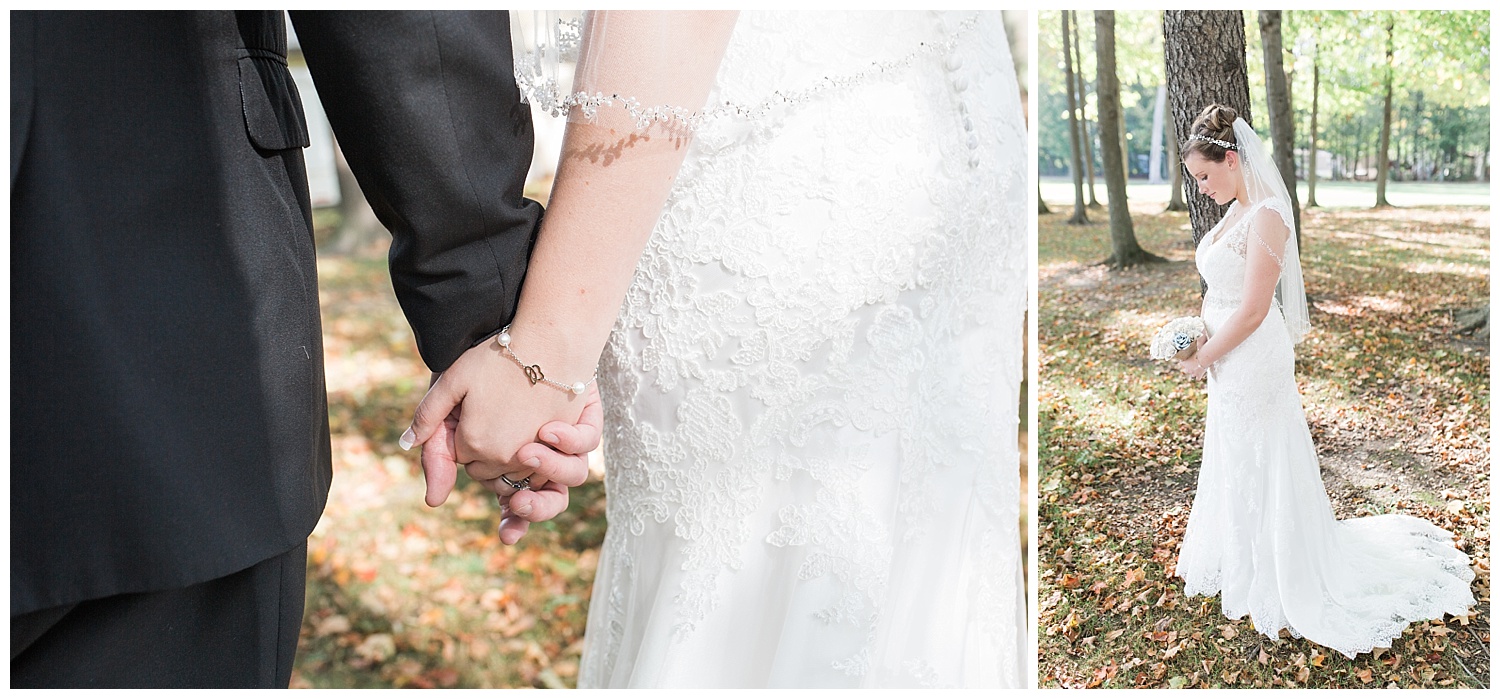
1264	187
636	71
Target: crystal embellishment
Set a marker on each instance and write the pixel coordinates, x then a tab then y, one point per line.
544	91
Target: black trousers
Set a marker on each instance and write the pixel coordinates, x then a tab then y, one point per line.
236	631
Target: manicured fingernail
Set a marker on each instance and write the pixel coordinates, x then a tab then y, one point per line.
522	509
549	437
532	462
407	439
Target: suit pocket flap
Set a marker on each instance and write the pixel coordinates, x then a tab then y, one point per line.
273	109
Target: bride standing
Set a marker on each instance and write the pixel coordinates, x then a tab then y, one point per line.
798	241
1261	532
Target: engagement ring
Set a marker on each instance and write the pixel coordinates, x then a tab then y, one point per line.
520	485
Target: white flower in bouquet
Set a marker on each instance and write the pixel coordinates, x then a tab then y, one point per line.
1177	336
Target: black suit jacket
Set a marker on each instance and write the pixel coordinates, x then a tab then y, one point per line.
169	422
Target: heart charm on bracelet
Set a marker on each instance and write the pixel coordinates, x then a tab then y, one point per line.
534	372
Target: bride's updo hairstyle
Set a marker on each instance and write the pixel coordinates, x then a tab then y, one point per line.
1211	131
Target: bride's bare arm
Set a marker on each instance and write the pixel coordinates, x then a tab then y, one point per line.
612	181
1264	251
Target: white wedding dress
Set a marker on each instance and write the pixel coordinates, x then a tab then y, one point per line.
811	390
1261	532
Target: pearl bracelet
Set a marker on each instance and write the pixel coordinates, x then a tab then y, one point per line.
534	373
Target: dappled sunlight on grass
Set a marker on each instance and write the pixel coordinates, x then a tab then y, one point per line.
1471	271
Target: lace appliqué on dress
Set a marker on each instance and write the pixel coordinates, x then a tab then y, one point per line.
1243	231
815	369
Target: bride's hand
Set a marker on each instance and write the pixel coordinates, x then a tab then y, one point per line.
485	410
564	461
1193	367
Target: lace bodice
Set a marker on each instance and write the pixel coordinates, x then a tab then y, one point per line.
1224	272
813	377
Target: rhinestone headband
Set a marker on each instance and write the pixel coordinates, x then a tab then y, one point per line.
1226	145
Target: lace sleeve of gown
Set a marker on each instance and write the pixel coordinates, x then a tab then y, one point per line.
630	69
1270	234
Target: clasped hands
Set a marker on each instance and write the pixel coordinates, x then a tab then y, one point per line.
485	415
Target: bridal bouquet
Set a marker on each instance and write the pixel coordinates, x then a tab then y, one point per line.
1175	339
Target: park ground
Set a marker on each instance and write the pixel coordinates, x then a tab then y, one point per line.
1397	400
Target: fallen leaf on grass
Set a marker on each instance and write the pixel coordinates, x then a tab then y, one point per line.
332	626
376	648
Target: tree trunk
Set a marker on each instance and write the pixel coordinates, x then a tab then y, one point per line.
1279	104
1127	251
1399	142
1158	115
1474	320
1359	145
1413	152
358	226
1312	141
1041	204
1083	111
1175	165
1382	156
1342	173
1080	213
1205	55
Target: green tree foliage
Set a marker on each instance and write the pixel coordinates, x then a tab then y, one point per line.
1440	90
1138	65
1440	114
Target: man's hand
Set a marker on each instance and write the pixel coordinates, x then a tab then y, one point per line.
565	462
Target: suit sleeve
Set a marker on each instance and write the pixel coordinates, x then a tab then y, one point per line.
425	107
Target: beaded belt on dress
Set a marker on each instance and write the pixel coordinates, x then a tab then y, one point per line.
1216	301
1212	301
